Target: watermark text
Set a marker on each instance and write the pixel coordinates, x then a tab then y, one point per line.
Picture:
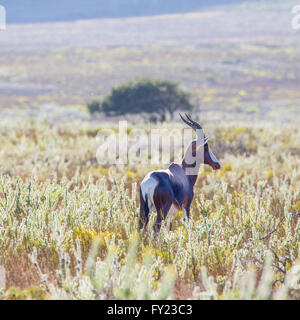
296	18
156	147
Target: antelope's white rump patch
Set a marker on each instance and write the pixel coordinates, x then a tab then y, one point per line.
148	186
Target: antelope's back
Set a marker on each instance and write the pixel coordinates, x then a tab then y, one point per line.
179	182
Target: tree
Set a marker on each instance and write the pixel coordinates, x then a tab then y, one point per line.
144	95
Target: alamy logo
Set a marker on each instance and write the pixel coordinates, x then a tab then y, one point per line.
296	18
156	147
2	18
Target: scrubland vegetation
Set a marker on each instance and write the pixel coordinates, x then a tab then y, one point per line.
69	225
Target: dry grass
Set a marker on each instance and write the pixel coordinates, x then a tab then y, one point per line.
55	199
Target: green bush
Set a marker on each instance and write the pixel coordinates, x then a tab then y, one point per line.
143	96
94	106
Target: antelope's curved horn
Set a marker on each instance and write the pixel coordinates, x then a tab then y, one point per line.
191	124
187	122
196	124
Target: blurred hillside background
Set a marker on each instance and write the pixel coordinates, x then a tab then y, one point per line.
238	59
66	10
68	222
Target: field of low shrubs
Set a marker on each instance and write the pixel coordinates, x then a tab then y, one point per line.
69	225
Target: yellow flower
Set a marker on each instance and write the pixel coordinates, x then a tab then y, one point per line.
297	206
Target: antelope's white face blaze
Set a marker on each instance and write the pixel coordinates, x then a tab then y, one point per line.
213	157
210	159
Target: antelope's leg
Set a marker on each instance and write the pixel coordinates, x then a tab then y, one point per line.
163	202
186	213
186	216
162	213
173	209
170	218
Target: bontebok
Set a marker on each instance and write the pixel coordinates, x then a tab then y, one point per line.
169	191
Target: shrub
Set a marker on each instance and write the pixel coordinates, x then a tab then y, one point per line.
94	106
144	96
